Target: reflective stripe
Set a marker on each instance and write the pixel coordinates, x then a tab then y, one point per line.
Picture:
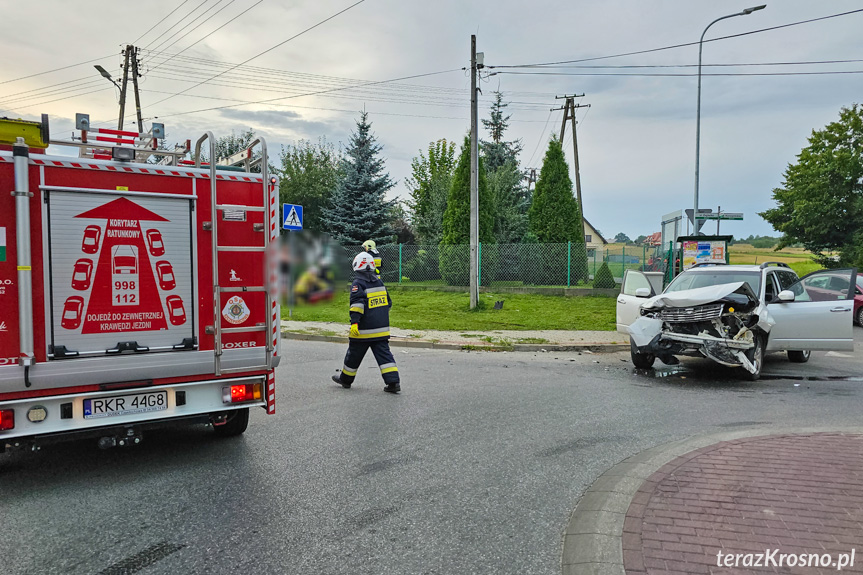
375	330
378	262
357	309
371	335
358	305
386	365
347	371
389	369
375	289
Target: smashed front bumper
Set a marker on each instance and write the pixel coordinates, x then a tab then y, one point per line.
725	339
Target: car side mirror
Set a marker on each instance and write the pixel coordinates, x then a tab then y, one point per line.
786	295
642	292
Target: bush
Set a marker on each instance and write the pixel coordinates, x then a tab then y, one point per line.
454	264
603	278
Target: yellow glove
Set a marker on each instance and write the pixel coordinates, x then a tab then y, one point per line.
355	330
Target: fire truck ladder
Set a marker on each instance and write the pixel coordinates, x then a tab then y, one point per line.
267	288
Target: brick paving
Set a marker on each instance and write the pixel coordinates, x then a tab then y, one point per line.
795	493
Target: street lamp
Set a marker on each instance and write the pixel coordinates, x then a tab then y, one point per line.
106	74
745	12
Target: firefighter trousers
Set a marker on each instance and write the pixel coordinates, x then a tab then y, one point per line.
381	350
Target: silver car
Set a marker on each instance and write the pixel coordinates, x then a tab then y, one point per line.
733	314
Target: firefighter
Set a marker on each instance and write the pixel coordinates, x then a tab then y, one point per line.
370	248
370	326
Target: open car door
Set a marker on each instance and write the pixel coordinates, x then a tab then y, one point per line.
818	317
628	303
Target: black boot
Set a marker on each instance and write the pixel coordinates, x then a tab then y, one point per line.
392	388
338	379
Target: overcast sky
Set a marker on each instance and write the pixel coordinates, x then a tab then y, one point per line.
636	141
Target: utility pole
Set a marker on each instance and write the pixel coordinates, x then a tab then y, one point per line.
531	178
474	180
569	114
135	75
126	54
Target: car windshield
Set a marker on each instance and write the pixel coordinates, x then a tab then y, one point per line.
713	277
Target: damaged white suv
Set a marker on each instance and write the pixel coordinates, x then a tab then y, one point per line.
733	314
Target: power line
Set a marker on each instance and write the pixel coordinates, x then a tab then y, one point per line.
82	81
679	45
369	93
461	118
731	65
267	50
541	136
232	20
192	11
270	100
204	13
669	75
160	21
55	70
68	97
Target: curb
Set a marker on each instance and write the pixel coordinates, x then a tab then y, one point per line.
422	344
593	539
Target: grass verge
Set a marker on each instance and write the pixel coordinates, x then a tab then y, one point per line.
429	310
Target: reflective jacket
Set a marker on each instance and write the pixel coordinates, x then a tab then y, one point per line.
377	257
370	307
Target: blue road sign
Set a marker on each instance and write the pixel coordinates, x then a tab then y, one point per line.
292	217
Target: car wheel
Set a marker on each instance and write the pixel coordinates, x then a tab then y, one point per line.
860	316
236	424
799	356
640	360
756	356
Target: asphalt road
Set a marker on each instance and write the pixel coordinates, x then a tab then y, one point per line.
474	468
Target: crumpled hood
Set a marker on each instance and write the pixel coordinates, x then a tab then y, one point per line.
699	296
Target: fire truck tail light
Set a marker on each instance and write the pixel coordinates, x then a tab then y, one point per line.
7	419
241	393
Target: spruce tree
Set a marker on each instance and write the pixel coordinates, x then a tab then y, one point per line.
454	263
504	177
359	209
555	219
497	151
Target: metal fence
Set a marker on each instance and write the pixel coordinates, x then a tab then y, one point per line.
513	265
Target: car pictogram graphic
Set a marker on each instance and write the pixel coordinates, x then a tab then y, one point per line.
176	311
125	260
81	274
154	241
166	275
90	244
72	311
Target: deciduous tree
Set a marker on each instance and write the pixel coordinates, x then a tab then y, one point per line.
429	186
820	202
309	175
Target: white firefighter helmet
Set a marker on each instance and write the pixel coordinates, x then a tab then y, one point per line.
364	261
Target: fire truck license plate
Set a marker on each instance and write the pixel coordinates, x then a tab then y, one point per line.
125	404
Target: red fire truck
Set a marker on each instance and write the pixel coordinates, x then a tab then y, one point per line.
132	294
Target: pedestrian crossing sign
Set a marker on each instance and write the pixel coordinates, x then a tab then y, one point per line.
292	217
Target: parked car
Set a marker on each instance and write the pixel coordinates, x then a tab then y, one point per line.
826	287
858	301
90	243
81	274
166	275
733	314
72	310
176	311
154	240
